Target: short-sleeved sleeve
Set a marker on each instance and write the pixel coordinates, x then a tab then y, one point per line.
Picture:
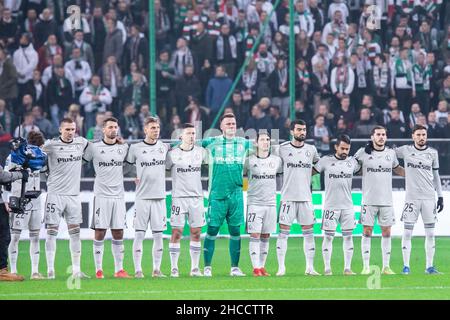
131	156
319	166
280	165
89	153
395	162
169	162
316	157
206	142
47	147
357	165
400	152
246	166
205	156
359	154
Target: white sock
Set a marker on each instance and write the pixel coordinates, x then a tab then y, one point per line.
327	249
157	250
365	250
386	250
99	246
118	254
406	244
309	248
282	244
348	249
254	250
429	245
34	251
75	248
174	251
137	250
13	250
50	249
195	249
263	251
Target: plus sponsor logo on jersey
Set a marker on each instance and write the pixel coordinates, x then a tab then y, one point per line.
379	169
153	163
420	166
189	169
71	158
341	175
263	176
111	163
300	164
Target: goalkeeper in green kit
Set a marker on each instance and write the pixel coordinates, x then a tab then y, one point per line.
227	155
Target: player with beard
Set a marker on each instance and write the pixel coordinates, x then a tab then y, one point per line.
296	199
422	184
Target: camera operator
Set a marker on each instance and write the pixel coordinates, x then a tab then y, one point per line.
30	218
5	236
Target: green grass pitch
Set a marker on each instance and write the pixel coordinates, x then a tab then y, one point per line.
295	285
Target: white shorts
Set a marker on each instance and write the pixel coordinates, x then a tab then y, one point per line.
31	219
332	217
413	208
150	211
261	219
302	211
109	213
190	209
385	215
57	206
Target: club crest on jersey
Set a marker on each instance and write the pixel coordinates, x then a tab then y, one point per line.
388	157
119	151
161	150
308	154
348	164
271	165
197	157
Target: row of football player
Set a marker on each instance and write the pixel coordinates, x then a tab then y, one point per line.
295	159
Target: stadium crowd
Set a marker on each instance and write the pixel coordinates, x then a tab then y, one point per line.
347	78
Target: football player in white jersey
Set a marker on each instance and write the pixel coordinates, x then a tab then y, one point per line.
64	162
377	164
261	169
185	161
422	185
296	198
108	156
149	156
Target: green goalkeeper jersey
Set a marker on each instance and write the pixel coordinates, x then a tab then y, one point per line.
226	164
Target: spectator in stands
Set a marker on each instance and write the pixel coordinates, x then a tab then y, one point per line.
181	57
68	29
380	80
363	127
346	112
29	24
265	61
80	70
226	50
341	128
136	49
194	113
97	26
396	128
129	123
217	90
162	26
342	80
303	112
375	112
434	129
249	83
187	86
94	98
392	105
278	123
137	92
402	81
25	106
96	132
36	88
25	59
113	41
202	47
278	83
422	73
442	113
26	127
321	135
258	120
44	125
7	119
48	51
86	52
8	29
45	27
240	109
8	78
144	113
302	81
415	112
444	93
74	114
111	77
59	94
165	83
